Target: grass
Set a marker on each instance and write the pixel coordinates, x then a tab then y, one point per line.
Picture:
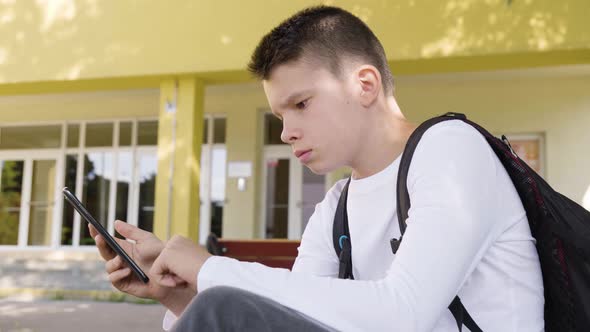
76	295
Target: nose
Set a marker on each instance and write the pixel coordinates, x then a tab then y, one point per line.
290	134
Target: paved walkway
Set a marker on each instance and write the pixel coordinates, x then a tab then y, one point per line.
17	315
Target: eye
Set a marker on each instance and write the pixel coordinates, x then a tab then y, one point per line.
302	104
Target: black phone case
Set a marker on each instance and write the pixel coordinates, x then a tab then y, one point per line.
105	235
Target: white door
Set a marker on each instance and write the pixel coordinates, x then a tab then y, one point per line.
289	194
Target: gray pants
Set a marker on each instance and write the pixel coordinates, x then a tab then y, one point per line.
233	309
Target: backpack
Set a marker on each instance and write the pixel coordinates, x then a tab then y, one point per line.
560	226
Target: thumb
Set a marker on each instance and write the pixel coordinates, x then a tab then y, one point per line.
161	273
130	231
168	281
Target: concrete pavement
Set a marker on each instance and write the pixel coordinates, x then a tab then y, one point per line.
17	315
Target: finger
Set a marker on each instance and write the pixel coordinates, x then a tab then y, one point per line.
106	251
93	231
119	275
177	278
160	272
103	248
179	281
114	264
131	232
167	281
159	267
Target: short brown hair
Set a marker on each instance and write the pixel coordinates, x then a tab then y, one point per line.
324	33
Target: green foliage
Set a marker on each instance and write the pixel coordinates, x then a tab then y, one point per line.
10	200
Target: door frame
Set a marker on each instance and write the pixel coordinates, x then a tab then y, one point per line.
294	224
28	157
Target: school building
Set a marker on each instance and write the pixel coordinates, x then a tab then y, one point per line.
145	110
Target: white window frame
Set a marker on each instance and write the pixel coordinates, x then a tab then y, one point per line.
59	155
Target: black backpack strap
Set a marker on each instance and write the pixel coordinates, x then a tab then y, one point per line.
462	316
403	197
341	236
456	308
403	207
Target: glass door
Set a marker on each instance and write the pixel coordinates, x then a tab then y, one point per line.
290	193
42	202
27	200
277	193
147	167
11	189
313	190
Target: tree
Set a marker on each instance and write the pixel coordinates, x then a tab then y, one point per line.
11	181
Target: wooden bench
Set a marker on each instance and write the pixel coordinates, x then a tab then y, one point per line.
273	253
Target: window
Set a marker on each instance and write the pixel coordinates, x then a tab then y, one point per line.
11	182
148	166
219	131
67	227
103	164
73	135
124	176
99	134
41	204
97	176
30	137
125	133
112	182
213	175
147	133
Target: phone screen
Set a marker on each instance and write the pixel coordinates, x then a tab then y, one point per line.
72	199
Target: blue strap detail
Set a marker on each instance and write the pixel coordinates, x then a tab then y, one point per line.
342	238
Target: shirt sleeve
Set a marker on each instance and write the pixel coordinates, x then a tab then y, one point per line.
316	254
169	320
451	186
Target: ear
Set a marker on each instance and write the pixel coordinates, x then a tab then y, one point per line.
369	80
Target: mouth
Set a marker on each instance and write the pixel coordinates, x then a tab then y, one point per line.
303	155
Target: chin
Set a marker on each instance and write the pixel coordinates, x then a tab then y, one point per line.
319	169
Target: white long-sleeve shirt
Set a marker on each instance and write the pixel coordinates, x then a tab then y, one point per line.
467	234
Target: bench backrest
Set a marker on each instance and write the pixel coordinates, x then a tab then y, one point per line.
273	253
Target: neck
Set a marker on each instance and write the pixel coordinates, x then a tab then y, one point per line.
384	142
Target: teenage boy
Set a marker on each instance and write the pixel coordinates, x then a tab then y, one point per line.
326	76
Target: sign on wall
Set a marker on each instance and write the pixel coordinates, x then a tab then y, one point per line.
530	148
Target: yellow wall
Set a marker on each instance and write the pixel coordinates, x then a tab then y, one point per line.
44	41
79	106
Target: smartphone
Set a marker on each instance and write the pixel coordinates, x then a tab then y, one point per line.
72	199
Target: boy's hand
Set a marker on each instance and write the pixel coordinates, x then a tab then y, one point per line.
180	261
144	251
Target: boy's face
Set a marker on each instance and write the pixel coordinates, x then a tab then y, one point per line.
322	118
